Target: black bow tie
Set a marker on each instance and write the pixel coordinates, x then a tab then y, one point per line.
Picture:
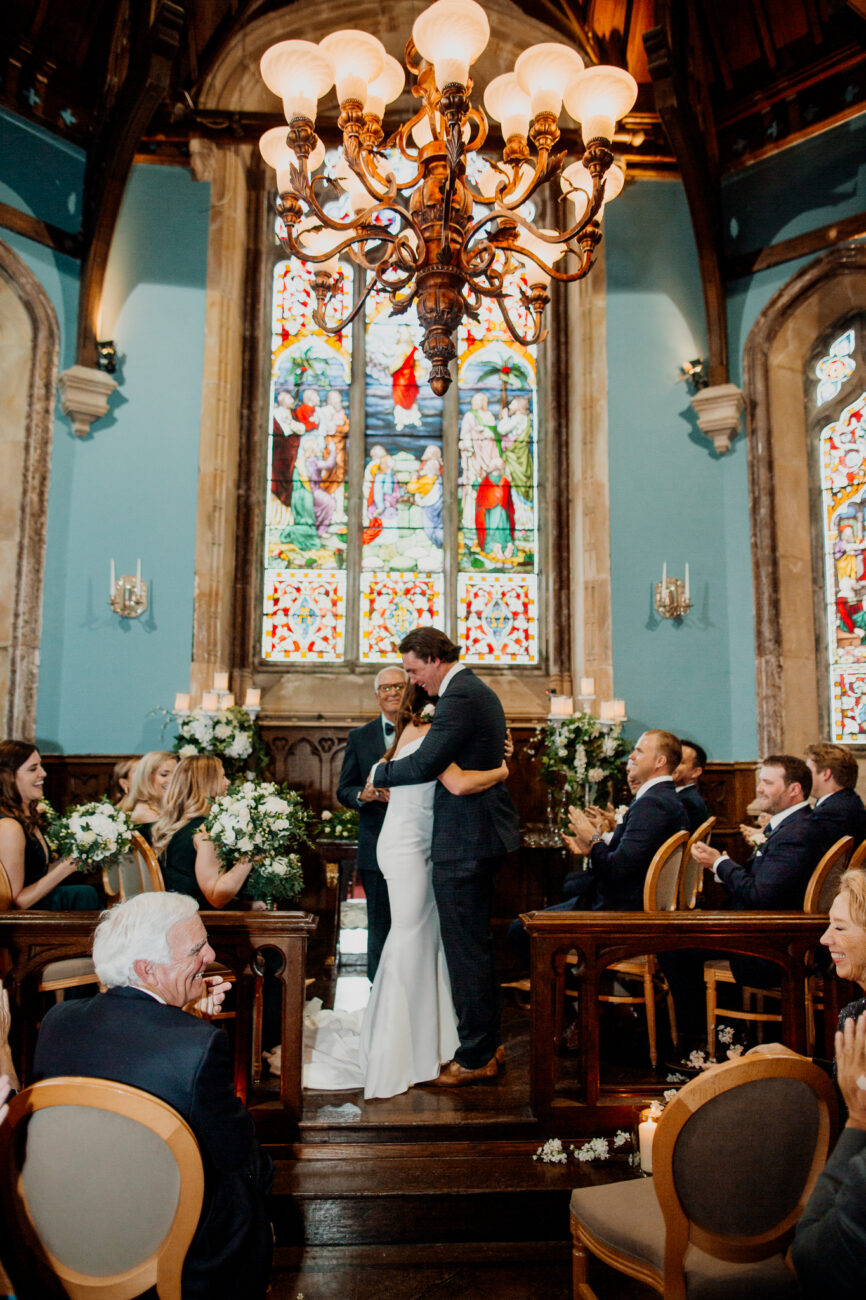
389	729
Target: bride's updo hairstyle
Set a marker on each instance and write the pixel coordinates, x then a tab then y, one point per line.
412	702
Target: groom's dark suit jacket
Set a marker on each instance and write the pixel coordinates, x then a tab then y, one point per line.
127	1036
363	746
469	729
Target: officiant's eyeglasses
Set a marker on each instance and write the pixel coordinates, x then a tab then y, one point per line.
397	686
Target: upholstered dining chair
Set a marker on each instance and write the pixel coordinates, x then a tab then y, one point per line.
858	857
735	1158
101	1187
820	892
57	976
692	878
135	872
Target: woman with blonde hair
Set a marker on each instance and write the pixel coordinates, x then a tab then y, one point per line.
149	784
188	858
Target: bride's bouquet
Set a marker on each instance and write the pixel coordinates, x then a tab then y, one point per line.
266	823
94	834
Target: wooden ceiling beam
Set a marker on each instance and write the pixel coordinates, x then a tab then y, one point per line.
669	78
110	159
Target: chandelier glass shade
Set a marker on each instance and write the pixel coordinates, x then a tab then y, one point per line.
435	238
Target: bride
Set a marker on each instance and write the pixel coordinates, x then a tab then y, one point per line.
409	1028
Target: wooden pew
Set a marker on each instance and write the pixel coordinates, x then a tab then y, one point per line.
35	938
602	938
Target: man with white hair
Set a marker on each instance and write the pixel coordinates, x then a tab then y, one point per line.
151	953
364	746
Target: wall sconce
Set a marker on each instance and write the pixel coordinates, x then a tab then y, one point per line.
694	373
107	356
127	596
672	598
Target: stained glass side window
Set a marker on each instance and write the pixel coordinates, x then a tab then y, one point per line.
402	492
842	447
497	587
305	542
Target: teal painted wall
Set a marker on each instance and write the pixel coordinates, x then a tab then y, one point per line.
672	497
130	488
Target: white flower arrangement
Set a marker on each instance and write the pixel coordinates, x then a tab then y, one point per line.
232	736
264	822
553	1152
94	834
342	825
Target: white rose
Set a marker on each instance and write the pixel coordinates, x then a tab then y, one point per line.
221	731
326	816
187	751
86	838
240	747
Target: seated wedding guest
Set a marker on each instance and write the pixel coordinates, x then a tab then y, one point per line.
150	953
615	874
839	809
147	789
773	879
35	880
363	747
188	858
121	779
686	777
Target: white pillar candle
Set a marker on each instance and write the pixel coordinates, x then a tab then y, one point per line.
664	580
138	572
228	700
181	702
587	686
646	1133
607	711
618	709
687	579
253	698
210	702
561	706
111	582
220	681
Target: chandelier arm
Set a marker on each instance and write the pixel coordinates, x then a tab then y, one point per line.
320	308
537	334
368	159
477	116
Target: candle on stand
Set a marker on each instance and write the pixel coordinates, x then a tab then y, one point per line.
561	706
587	686
111	582
646	1133
665	580
618	711
181	702
138	572
210	702
606	712
687	579
220	681
253	698
228	700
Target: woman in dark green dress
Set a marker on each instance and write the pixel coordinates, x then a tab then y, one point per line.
188	858
34	880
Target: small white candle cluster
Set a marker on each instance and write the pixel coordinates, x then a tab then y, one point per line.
219	698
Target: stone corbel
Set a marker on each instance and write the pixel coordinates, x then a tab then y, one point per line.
84	394
718	410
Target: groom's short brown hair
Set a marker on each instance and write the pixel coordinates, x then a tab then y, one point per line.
429	643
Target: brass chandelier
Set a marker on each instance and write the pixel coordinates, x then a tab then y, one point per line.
418	239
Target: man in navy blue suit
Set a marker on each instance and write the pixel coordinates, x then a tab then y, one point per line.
617	864
363	747
774	879
686	779
471	836
151	953
839	809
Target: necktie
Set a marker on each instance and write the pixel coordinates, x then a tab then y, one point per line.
389	729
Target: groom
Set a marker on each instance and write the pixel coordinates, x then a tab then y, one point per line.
471	835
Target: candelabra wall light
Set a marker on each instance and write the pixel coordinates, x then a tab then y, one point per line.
127	596
672	595
419	239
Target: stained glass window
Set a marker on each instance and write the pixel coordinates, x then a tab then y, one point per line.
428	514
842	457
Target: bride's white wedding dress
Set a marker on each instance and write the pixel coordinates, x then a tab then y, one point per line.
409	1027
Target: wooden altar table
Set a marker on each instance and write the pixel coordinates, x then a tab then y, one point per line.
34	939
602	938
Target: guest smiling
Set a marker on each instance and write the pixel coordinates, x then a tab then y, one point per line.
35	881
147	789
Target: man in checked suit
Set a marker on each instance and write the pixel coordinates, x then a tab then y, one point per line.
617	864
471	835
774	879
363	746
151	952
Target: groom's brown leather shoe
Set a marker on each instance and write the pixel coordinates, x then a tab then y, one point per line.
454	1075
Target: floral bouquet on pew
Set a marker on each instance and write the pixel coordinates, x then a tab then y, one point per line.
94	834
341	825
267	824
232	735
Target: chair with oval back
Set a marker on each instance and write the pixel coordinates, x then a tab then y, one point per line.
661	893
692	879
735	1158
820	892
135	872
858	857
66	973
74	1154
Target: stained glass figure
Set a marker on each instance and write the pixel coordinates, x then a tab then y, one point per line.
393	604
304	615
843	483
833	369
